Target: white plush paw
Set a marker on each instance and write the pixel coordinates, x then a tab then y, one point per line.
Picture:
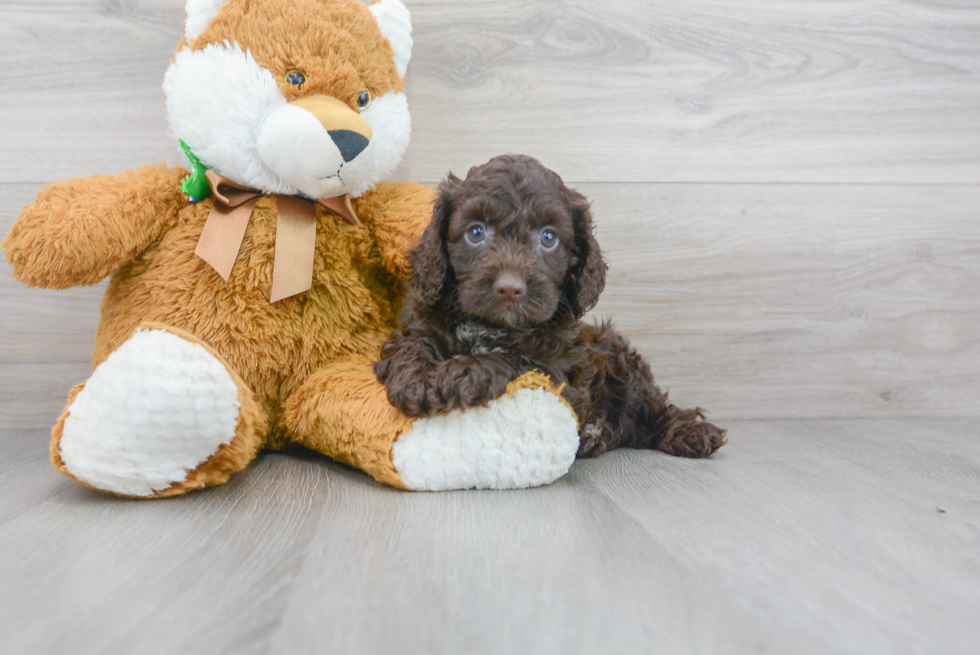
155	409
524	440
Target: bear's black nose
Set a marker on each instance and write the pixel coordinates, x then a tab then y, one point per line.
351	144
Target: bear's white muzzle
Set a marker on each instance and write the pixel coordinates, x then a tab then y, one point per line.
309	141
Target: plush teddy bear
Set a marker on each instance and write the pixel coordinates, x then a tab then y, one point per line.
249	295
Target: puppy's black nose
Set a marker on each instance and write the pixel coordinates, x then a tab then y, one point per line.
509	287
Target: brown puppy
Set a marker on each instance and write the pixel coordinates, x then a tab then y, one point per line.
500	279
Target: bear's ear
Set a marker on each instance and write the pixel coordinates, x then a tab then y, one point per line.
396	25
200	13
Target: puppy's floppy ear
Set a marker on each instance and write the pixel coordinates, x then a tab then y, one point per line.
588	275
430	259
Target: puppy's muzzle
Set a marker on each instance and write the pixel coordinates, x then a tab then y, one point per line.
509	287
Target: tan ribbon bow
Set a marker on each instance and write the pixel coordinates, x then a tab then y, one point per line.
292	268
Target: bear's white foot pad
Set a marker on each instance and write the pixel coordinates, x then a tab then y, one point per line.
523	440
156	408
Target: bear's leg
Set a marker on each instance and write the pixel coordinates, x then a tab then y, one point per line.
526	438
163	414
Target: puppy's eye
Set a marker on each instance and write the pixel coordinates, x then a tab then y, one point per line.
364	100
476	233
549	238
295	78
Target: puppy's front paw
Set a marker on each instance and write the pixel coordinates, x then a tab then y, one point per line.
417	398
463	384
689	435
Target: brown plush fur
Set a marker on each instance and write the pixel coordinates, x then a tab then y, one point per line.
312	351
490	309
353	304
79	231
347	314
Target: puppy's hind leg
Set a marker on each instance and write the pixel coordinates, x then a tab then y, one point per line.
685	433
637	411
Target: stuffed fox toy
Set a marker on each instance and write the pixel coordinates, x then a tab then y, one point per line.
250	294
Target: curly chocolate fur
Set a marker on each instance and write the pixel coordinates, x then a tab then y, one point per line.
494	296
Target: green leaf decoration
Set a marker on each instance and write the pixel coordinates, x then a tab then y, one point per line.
195	185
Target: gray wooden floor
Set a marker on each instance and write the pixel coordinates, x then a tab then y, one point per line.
822	536
788	193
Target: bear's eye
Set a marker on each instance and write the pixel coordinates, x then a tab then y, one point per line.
364	100
476	233
549	238
295	78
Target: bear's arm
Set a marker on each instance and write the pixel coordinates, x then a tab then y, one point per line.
396	213
81	230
